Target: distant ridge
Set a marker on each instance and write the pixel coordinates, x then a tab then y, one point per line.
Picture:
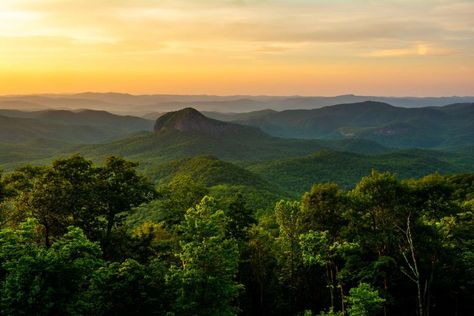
140	105
450	126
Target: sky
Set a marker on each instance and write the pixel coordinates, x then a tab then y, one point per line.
272	47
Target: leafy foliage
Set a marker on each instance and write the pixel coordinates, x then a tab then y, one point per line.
45	281
364	301
86	239
208	263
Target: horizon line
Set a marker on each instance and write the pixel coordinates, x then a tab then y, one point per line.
233	95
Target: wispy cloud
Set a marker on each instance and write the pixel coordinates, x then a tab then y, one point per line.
147	35
420	50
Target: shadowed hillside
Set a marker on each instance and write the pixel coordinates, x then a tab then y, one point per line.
190	120
188	133
430	127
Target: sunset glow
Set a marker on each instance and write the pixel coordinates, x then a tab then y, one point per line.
397	47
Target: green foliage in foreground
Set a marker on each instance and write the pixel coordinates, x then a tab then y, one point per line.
74	192
364	300
399	247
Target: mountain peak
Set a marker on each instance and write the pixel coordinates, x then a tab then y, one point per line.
190	113
191	120
185	120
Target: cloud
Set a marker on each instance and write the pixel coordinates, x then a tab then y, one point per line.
419	50
212	35
256	21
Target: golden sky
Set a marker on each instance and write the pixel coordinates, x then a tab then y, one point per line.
279	47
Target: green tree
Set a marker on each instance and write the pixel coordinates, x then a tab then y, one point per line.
364	300
287	216
204	280
240	218
428	243
322	209
175	198
47	200
330	312
3	195
74	192
45	281
58	196
127	288
121	189
318	249
258	271
380	203
82	197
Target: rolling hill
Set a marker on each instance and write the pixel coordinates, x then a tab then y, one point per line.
448	127
39	135
291	165
233	156
188	133
96	118
17	130
209	171
297	175
223	180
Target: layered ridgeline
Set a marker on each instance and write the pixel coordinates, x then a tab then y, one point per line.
188	133
152	104
83	126
290	165
446	127
29	136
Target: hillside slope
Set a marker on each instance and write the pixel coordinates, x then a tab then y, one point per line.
15	130
37	136
297	175
430	127
188	133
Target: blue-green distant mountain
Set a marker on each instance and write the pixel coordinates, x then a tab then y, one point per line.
159	103
29	136
447	127
84	126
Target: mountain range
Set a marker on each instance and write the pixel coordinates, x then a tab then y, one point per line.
292	165
266	152
75	127
446	127
152	106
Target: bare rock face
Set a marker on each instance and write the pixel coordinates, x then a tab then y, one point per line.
191	120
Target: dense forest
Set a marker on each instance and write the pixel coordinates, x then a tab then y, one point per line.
80	238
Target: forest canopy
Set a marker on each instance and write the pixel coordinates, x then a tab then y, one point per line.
85	239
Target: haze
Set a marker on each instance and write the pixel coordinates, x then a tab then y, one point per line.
396	48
